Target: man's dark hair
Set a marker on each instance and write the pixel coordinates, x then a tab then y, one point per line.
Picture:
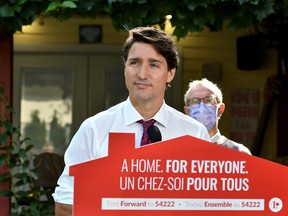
162	43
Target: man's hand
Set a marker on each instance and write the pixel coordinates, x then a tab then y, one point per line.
63	209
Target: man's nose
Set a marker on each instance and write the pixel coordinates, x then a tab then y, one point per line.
143	72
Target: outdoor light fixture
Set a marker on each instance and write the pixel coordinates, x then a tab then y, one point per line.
169	16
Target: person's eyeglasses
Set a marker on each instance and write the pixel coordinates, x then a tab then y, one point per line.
212	100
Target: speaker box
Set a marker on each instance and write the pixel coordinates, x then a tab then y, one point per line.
248	52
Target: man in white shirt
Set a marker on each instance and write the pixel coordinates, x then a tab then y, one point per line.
150	59
204	102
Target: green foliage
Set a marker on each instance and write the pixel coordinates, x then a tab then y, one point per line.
16	169
187	15
17	13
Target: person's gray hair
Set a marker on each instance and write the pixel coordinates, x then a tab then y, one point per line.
207	84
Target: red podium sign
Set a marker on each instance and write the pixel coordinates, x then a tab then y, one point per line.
182	176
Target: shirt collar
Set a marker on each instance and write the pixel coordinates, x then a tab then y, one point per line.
162	115
131	115
217	138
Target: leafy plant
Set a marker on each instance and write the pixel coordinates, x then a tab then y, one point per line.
14	160
16	13
187	15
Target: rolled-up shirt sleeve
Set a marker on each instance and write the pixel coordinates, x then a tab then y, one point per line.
78	151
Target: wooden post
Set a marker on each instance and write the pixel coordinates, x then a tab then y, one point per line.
6	74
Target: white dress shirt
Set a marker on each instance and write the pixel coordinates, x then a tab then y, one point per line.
223	141
91	140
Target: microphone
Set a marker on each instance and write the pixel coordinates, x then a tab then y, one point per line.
154	134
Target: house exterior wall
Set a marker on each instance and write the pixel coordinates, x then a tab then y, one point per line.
198	49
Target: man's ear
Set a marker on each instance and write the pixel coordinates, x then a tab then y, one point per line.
221	109
186	110
171	74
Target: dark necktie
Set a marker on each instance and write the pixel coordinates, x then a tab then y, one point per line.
145	139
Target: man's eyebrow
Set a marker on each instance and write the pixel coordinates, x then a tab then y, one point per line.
134	59
155	60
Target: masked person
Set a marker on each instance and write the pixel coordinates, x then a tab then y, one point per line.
204	102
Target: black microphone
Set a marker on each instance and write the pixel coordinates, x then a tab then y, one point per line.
154	134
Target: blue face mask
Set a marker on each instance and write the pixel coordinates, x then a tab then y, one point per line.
204	113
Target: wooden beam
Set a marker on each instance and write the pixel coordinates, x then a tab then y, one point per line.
6	74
